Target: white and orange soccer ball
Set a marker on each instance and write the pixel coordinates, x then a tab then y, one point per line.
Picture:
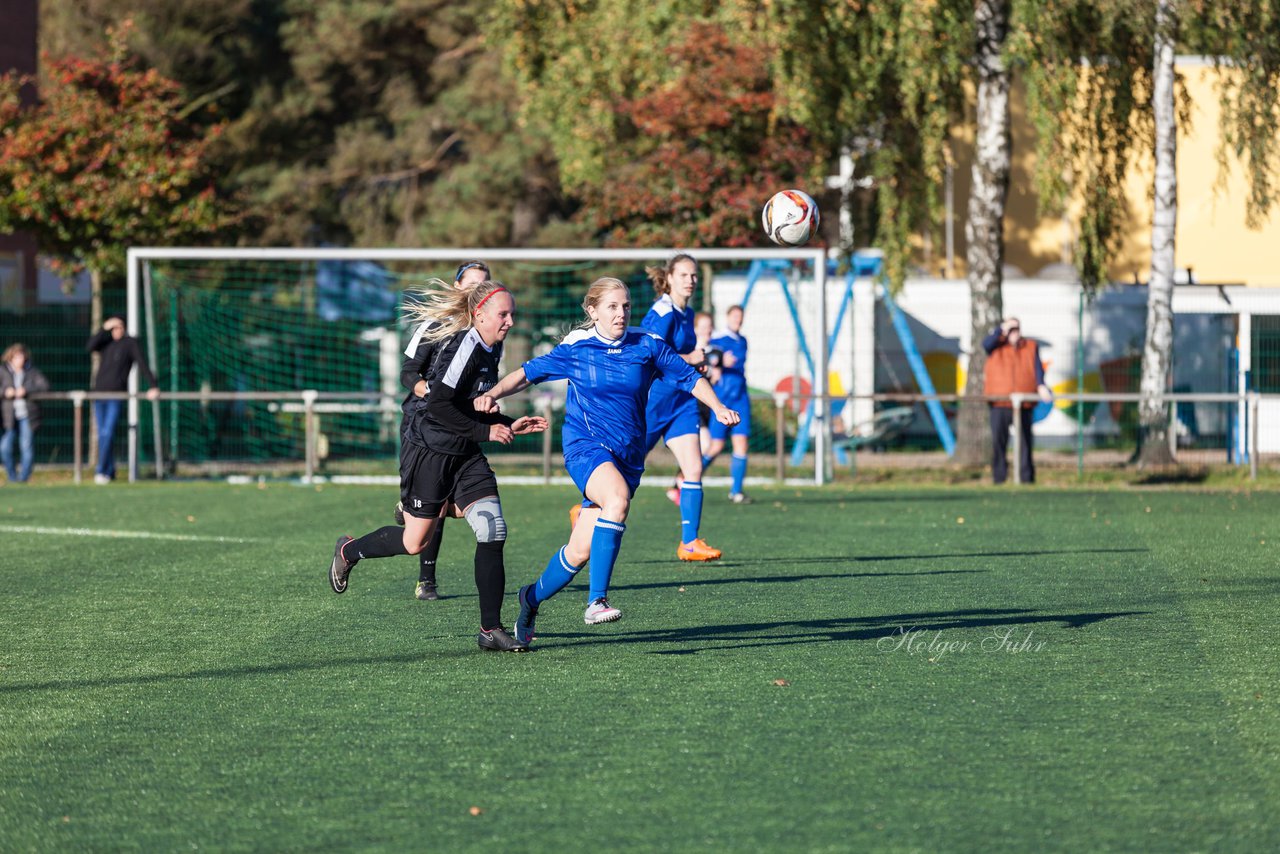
790	218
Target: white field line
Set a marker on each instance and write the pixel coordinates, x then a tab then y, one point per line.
118	535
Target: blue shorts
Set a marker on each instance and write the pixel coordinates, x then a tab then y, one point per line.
581	459
669	418
742	428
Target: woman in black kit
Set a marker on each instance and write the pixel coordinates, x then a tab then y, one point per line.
444	471
418	358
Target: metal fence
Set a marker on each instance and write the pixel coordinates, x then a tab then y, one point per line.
263	328
311	413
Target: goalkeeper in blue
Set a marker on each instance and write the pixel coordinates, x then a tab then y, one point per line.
732	389
610	367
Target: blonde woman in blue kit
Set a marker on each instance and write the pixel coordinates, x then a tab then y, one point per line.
611	367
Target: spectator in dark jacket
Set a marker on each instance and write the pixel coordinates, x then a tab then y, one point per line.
119	354
20	416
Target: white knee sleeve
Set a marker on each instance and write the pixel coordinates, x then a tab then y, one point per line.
485	518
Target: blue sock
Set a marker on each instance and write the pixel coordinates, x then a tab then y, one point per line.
554	578
706	461
737	470
606	539
690	510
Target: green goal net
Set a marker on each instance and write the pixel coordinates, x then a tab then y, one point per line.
264	327
329	326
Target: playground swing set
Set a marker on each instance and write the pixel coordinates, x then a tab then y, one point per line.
887	424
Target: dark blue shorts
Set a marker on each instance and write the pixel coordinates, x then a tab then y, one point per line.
742	428
581	459
677	418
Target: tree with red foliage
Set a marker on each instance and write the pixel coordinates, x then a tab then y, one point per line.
102	159
698	156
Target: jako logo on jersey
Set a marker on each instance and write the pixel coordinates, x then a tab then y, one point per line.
614	350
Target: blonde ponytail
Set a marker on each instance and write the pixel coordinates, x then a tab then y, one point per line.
452	310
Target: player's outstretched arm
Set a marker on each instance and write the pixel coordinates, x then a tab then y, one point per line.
503	433
508	385
704	393
529	424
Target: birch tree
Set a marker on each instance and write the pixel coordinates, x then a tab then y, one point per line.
896	72
984	231
1242	37
1153	413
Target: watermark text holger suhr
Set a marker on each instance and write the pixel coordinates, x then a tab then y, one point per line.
916	641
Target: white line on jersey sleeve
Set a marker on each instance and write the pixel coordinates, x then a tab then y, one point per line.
466	347
412	349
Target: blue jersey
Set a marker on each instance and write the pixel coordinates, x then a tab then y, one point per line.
733	380
675	327
609	383
671	324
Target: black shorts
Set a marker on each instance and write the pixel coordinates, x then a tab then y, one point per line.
429	480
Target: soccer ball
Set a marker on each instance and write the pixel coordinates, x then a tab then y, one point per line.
790	218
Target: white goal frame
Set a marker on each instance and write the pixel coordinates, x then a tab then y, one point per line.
140	259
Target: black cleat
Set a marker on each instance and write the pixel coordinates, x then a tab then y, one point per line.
426	592
497	640
340	568
528	613
398	513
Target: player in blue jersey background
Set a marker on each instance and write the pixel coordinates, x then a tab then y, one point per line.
611	367
672	412
732	389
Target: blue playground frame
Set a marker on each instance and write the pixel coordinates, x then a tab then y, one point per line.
863	265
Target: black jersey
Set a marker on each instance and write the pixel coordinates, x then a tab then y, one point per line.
418	358
118	358
464	368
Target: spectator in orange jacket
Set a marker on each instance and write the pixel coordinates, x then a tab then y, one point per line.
1013	367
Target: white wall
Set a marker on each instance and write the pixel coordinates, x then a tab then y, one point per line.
938	314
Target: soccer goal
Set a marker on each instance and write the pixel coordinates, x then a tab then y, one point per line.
248	343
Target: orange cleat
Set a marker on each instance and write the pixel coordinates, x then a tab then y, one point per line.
697	550
574	512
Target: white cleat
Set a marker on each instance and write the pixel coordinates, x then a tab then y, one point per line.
600	611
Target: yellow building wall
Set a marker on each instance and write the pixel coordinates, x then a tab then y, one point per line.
1212	238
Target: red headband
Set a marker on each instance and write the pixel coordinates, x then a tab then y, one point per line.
486	298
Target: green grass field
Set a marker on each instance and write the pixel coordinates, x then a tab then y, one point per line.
867	669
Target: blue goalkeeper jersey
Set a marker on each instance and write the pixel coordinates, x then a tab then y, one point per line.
733	380
609	383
